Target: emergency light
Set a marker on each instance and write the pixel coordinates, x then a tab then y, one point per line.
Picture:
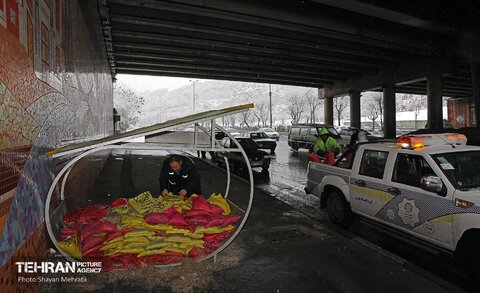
420	141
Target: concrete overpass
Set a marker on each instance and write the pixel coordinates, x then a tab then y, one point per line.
341	47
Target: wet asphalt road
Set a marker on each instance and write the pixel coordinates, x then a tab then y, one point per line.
286	181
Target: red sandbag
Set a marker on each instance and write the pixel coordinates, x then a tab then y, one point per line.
98	227
217	221
84	216
229	220
91	250
196	252
91	241
120	202
67	232
200	203
196	213
216	237
197	221
113	235
178	221
156	218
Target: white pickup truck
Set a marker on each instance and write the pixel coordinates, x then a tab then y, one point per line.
422	189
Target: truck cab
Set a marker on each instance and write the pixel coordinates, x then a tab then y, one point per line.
424	189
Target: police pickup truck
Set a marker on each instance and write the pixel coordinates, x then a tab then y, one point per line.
422	189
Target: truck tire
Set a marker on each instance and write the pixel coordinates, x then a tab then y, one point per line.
294	146
338	209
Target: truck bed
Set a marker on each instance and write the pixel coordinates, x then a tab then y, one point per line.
317	171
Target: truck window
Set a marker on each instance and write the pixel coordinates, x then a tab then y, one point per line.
304	131
409	169
295	130
313	131
373	163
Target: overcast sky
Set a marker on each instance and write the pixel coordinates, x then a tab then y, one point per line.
145	82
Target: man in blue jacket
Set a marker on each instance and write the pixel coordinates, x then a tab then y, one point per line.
179	176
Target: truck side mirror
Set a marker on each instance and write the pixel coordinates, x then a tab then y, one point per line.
433	184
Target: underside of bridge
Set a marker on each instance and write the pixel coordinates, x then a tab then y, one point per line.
339	46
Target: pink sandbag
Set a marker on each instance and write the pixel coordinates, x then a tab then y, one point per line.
208	238
199	203
215	221
84	216
231	219
178	221
156	218
91	241
91	250
197	221
196	213
67	232
102	226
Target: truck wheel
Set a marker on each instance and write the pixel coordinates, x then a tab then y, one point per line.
338	209
272	151
294	146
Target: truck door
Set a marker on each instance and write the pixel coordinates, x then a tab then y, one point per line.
414	209
367	195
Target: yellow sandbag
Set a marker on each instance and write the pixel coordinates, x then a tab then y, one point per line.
112	245
143	203
112	251
213	230
178	239
120	210
135	245
138	239
115	240
183	251
196	243
71	247
157	245
151	252
101	234
160	227
219	200
132	250
186	233
136	233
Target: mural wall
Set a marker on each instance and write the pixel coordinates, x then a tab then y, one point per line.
55	87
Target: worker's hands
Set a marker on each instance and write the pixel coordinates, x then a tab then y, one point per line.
183	192
164	192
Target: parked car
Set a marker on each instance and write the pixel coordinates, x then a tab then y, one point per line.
263	141
271	133
305	135
233	132
257	158
347	132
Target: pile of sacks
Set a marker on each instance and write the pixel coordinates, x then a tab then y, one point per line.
146	231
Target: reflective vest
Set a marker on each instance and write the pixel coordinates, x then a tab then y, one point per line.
329	146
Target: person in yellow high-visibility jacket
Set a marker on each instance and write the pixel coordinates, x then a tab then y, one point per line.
325	143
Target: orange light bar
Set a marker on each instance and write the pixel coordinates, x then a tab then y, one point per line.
412	142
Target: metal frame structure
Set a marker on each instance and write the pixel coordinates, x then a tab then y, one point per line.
85	151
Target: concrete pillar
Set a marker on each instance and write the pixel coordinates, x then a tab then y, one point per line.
434	103
328	110
355	109
389	112
476	90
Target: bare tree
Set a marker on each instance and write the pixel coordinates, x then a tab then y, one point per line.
415	103
261	114
340	104
313	103
296	107
373	111
128	104
377	101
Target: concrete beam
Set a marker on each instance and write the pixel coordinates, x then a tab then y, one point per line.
434	103
389	112
355	116
430	67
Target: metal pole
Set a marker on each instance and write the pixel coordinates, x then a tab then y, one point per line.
270	93
193	83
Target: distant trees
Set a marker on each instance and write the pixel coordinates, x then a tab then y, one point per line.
372	107
295	107
340	104
128	104
261	113
414	103
313	102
